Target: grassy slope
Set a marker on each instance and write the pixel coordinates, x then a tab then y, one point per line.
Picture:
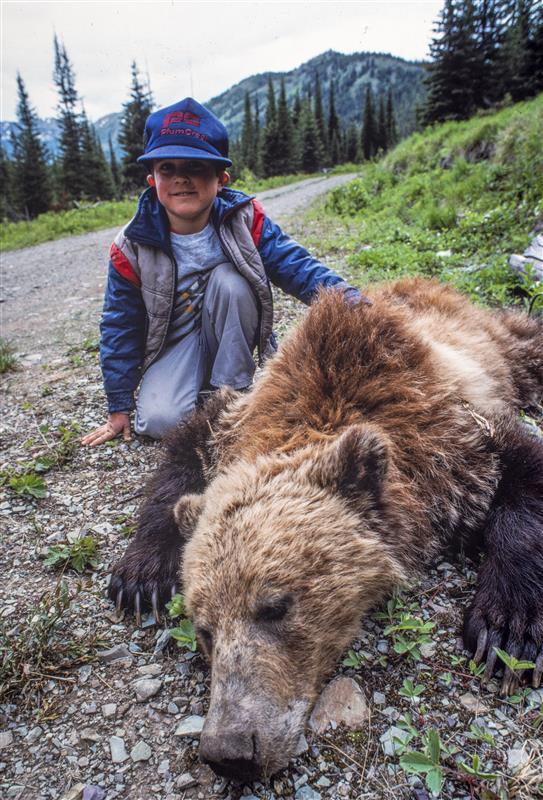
409	207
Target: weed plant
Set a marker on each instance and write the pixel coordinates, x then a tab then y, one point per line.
8	359
452	202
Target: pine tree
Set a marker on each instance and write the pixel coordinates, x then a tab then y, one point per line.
517	50
368	139
257	139
31	185
351	153
270	149
135	112
97	180
311	152
491	20
114	168
536	52
334	132
8	210
392	132
382	130
70	172
322	128
247	144
285	134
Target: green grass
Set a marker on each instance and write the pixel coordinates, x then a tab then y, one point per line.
55	225
8	359
435	207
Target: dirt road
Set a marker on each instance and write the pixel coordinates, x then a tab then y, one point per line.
53	292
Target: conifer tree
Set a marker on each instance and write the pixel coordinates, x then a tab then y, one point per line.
319	119
135	112
114	168
382	131
368	140
517	50
97	181
296	109
535	57
392	132
247	152
7	201
31	184
257	139
271	144
284	134
311	152
70	172
351	150
334	137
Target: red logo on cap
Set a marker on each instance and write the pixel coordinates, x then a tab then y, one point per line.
177	117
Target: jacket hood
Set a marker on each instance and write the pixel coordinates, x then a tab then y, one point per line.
151	225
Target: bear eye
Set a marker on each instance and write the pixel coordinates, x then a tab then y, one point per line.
206	638
274	610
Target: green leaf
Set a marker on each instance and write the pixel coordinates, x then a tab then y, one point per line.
29	484
434	780
185	634
434	745
176	606
416	762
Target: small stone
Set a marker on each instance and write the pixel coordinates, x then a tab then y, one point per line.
150	669
444	254
146	688
89	735
185	781
535	697
118	749
164	767
89	708
93	793
323	782
428	650
190	726
6	738
387	739
162	642
114	653
379	698
517	758
33	735
382	646
172	708
302	746
141	752
342	702
307	793
84	673
473	703
109	710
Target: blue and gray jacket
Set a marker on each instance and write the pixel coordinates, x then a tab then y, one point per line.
142	282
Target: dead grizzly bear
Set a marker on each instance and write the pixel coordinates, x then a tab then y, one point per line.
374	437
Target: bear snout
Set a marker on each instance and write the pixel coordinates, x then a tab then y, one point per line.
231	753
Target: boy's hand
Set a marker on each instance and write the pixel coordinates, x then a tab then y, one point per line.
118	422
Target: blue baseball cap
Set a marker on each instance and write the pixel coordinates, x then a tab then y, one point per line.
185	130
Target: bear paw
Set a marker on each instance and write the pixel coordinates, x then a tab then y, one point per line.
144	580
506	613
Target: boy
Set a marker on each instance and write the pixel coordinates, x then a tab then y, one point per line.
188	296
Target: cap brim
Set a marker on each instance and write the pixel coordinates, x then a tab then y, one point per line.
175	151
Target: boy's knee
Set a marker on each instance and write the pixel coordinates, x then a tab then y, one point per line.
227	283
157	421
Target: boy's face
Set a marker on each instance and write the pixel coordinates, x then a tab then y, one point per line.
186	189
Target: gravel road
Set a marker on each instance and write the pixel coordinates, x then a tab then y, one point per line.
57	287
111	712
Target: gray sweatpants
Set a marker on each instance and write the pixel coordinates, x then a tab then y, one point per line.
220	353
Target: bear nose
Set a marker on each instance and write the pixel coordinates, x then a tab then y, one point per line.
231	754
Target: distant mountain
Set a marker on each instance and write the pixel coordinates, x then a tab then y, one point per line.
351	75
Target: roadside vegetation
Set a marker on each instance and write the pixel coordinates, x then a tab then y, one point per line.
452	202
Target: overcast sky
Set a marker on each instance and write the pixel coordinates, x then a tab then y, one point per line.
199	48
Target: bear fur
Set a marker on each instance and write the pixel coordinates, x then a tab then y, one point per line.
376	437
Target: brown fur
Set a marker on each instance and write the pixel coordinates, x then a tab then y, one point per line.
374	437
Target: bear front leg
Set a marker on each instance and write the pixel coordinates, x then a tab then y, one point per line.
507	611
146	576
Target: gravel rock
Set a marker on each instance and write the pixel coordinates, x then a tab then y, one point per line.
473	703
342	702
109	710
307	793
118	749
141	752
387	739
190	726
6	738
517	758
117	653
147	688
185	781
75	793
93	793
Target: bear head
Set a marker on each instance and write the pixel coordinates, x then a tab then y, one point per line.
287	553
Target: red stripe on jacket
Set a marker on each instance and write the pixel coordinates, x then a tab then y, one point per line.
123	265
258	222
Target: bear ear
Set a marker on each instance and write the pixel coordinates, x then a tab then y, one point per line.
355	464
187	510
